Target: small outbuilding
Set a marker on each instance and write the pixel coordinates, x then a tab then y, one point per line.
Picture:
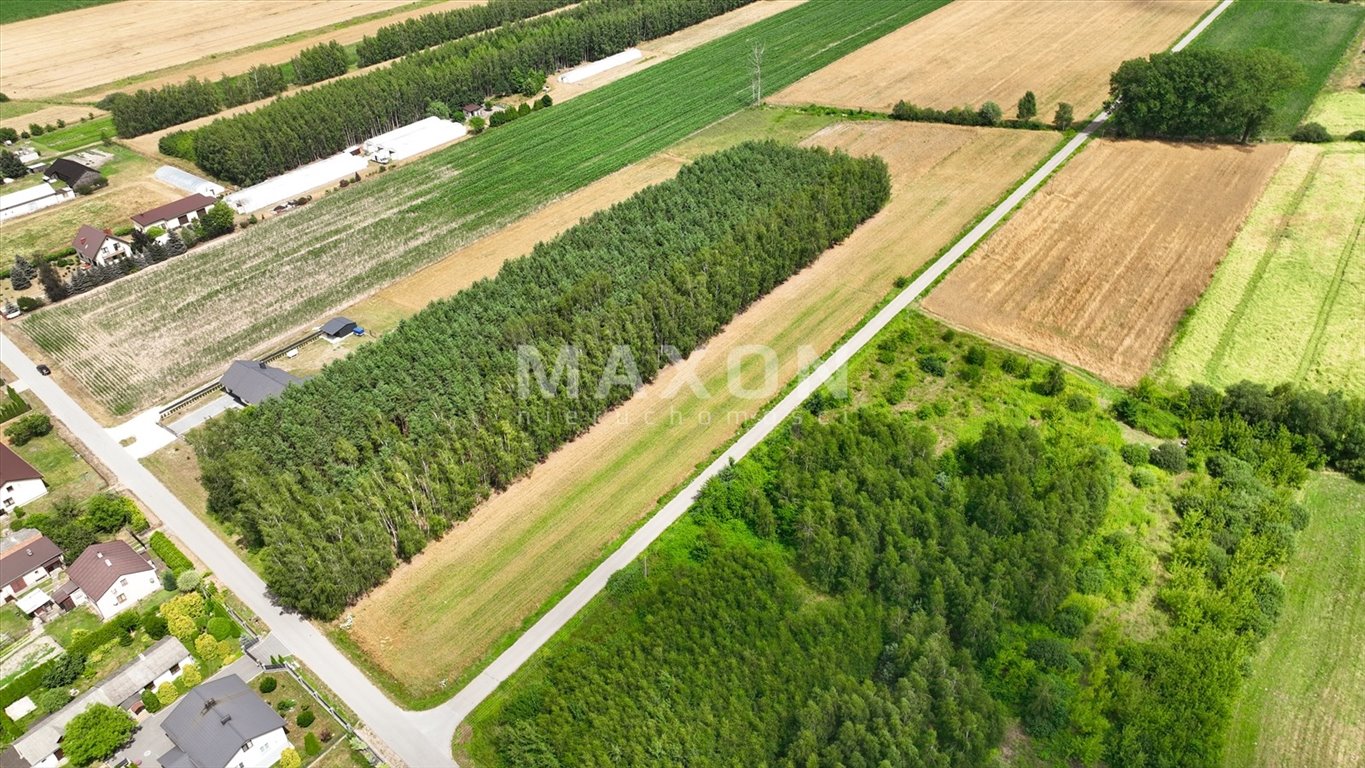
250	382
338	327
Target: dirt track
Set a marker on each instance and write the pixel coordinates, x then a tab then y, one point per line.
55	54
1098	268
973	51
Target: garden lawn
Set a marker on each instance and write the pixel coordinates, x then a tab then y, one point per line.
288	690
1304	702
66	473
64	628
76	135
13	624
1315	34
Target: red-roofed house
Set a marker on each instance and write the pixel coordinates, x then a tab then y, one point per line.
20	483
110	576
96	246
26	558
175	215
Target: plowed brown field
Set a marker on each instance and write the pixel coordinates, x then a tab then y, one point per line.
1099	267
974	51
443	612
80	49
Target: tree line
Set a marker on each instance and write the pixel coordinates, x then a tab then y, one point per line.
302	127
396	40
151	109
342	476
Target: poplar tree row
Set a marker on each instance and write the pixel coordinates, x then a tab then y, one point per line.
342	476
395	40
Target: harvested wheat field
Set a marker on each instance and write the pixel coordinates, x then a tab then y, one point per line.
71	113
54	54
973	51
1098	268
436	618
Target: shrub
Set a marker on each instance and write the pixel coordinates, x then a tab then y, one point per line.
976	355
190	677
267	684
1017	366
1054	381
1079	402
1170	456
97	733
154	625
169	554
108	512
1070	620
151	702
29	303
168	581
167	693
1312	133
311	745
304	718
188	581
289	758
1143	477
934	365
206	648
1136	454
32	426
50	700
1356	135
220	628
66	670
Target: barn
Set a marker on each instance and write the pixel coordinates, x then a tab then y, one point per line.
250	382
338	327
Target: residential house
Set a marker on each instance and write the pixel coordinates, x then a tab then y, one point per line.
251	382
69	171
100	247
174	215
26	558
110	576
223	724
475	110
20	483
41	746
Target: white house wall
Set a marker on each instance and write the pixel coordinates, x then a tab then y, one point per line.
20	492
263	752
139	586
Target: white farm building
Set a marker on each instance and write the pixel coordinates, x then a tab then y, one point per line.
34	198
294	184
413	139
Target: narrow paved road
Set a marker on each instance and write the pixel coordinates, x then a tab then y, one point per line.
408	735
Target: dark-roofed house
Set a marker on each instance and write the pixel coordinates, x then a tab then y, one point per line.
338	327
96	246
222	724
71	172
174	215
110	576
40	746
26	558
251	382
20	483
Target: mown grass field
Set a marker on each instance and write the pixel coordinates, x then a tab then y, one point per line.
1288	301
1315	34
18	10
1304	702
164	329
76	135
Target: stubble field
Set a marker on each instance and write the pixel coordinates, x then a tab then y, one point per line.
523	546
975	51
1288	303
93	46
1099	267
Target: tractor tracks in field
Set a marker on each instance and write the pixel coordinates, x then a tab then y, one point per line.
1329	301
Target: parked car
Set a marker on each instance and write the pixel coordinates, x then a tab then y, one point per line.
44	370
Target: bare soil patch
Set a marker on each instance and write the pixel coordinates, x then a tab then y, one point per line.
437	617
973	51
55	54
1098	268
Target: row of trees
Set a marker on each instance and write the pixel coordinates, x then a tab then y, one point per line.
1223	95
342	476
148	110
302	127
320	62
989	114
395	40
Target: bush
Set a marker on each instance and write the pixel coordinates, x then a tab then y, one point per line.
1079	402
1017	366
304	718
168	581
311	745
1070	620
267	684
1356	136
1136	454
934	365
50	700
1054	381
87	187
1143	477
188	581
29	303
289	758
167	693
97	733
151	702
1312	133
66	670
169	554
154	625
220	628
1170	456
32	426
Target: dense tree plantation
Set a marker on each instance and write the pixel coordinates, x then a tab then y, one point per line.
320	62
960	544
1226	95
296	129
148	110
342	476
395	40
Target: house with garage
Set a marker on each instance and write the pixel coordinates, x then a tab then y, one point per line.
176	214
250	382
26	558
41	746
20	483
74	174
223	724
99	246
110	577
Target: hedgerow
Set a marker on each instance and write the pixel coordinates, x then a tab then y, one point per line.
169	553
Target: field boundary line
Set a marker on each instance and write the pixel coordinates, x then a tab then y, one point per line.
1220	350
1329	301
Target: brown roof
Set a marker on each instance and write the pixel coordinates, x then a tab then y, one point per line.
13	467
174	209
88	240
100	565
24	551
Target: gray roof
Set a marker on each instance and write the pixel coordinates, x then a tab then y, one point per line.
337	326
25	550
251	382
42	739
213	721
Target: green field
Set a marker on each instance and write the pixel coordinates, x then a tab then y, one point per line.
1305	699
19	10
1315	34
1288	302
76	135
1340	112
292	271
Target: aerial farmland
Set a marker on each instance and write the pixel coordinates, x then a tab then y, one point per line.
709	382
